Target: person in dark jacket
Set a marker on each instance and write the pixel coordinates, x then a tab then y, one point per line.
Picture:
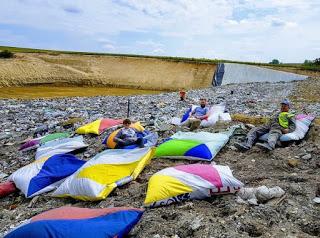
282	123
127	136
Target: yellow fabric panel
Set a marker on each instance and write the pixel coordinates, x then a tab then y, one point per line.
107	173
42	160
145	160
92	127
105	192
162	187
137	126
79	197
110	143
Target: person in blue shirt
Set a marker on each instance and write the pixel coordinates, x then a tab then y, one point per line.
197	115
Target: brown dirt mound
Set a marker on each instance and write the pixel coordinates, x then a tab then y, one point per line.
116	71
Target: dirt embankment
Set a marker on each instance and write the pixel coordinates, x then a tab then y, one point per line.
116	71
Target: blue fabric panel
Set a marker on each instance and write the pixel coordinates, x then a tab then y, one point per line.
57	167
115	224
186	115
130	147
218	76
200	151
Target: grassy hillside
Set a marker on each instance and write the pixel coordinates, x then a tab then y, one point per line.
296	66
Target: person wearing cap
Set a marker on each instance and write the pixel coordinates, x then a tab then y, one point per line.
197	115
282	123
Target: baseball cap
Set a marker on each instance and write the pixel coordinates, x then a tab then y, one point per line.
286	102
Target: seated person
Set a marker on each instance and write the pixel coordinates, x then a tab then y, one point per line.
182	95
127	136
280	124
197	115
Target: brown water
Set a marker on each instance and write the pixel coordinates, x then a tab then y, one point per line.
33	92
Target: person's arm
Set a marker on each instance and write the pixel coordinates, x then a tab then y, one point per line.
192	112
204	116
117	138
292	122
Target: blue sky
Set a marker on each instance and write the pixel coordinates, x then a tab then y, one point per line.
247	30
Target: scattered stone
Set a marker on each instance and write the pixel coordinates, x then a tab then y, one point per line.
207	218
33	201
306	157
293	162
3	175
250	126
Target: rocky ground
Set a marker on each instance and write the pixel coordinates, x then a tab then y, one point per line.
295	168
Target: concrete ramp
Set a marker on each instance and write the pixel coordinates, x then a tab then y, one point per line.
240	73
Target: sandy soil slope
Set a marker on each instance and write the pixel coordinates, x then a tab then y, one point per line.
120	71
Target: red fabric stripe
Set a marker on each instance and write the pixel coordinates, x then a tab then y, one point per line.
107	123
68	213
6	188
207	172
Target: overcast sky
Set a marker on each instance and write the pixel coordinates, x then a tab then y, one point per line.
246	30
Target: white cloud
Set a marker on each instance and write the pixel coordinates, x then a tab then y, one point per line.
263	30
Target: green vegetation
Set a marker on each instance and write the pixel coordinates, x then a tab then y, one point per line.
299	66
6	54
275	61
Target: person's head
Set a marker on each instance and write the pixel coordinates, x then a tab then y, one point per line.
126	123
285	105
203	102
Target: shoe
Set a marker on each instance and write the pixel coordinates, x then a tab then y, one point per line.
264	146
195	125
241	146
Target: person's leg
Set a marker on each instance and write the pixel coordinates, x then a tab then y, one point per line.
140	143
119	145
195	124
187	122
273	137
252	137
255	133
122	144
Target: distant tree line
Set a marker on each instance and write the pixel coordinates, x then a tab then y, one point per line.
315	62
312	62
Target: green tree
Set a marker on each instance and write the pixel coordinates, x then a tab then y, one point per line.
307	62
317	61
275	61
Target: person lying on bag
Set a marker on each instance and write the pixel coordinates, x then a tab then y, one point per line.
127	136
282	123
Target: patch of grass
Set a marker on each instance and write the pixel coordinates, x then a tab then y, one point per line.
307	91
249	119
6	54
